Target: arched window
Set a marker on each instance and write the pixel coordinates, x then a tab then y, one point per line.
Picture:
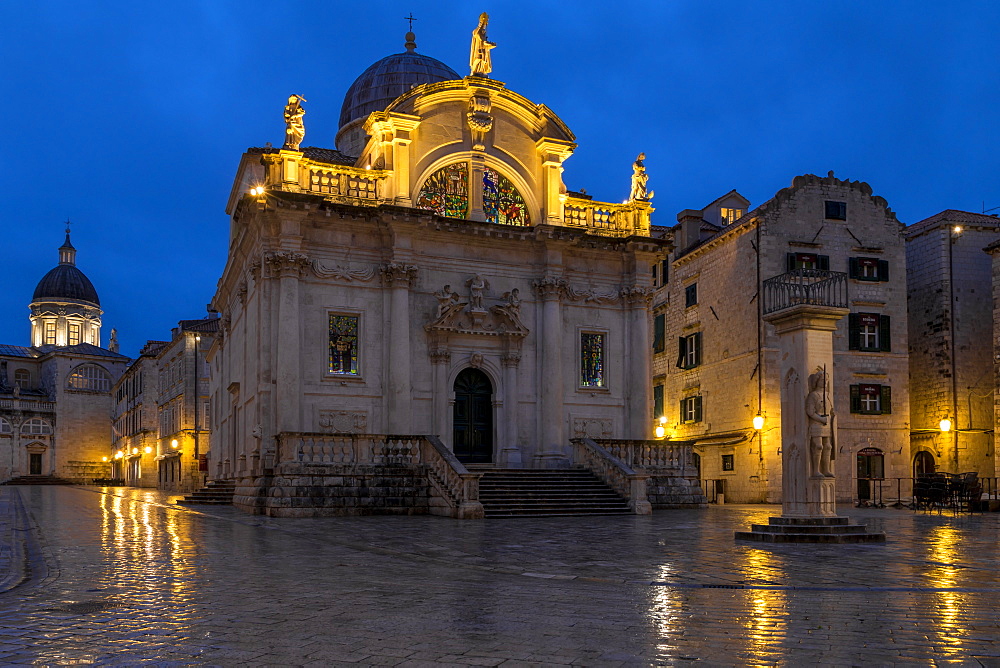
22	378
501	201
36	427
5	427
89	377
446	191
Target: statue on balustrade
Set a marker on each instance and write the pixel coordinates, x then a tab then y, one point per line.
480	61
639	180
295	127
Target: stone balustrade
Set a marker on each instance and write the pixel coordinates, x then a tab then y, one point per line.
614	472
650	455
607	219
28	405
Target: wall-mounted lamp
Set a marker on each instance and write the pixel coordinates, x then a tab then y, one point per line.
148	450
257	191
173	443
758	421
944	424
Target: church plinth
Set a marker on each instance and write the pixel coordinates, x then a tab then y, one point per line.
808	432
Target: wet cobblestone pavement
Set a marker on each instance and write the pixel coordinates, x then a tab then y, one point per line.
122	577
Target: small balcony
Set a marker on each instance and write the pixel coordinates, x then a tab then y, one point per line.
813	287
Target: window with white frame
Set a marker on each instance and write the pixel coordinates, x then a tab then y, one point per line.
5	426
74	333
36	427
730	216
90	378
871	399
690	409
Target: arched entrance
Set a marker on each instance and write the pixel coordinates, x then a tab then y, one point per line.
923	464
473	417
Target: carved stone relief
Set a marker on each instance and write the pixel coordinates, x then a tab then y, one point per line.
342	273
588	427
343	422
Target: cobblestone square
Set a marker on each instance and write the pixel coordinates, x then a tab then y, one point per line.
122	576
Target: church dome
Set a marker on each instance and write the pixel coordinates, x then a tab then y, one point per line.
65	282
386	80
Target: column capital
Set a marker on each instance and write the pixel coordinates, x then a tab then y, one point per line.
550	287
636	296
281	264
398	274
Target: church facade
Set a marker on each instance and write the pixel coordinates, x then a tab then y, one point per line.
436	296
55	395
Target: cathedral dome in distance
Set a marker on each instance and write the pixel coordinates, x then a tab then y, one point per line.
380	84
65	282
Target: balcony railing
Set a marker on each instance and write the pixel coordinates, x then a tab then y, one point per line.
815	287
606	219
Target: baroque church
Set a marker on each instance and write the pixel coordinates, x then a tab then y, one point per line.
426	301
55	394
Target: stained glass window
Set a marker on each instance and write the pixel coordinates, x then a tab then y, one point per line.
501	201
446	191
344	344
591	360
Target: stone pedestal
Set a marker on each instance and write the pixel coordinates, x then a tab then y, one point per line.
808	432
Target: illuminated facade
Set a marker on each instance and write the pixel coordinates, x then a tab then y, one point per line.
433	277
55	395
716	362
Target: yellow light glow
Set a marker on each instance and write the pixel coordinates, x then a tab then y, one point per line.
660	431
945	424
957	229
135	451
758	422
104	459
663	419
148	450
173	443
257	191
118	455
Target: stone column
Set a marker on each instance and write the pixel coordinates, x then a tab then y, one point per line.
440	425
638	364
510	454
287	267
398	278
805	336
477	165
550	378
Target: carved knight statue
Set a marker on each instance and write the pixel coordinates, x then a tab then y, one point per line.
821	432
639	180
480	61
295	127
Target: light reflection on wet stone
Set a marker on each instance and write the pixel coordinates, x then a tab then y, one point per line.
132	579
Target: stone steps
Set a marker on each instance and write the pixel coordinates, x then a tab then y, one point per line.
810	530
38	480
547	493
216	493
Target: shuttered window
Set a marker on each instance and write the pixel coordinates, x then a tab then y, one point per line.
869	332
689	351
871	399
868	269
659	336
658	408
690	409
795	261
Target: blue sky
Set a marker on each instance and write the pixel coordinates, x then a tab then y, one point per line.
130	118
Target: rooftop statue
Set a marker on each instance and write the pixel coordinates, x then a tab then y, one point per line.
480	61
639	179
295	128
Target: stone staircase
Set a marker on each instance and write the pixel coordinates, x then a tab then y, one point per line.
547	493
38	480
216	493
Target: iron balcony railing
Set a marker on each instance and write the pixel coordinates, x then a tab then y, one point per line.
816	287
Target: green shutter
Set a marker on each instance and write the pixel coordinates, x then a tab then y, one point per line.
789	261
852	267
883	270
657	401
658	333
697	348
855	399
681	416
680	352
885	402
884	336
697	408
853	331
823	262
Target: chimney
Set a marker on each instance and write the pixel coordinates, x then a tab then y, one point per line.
689	233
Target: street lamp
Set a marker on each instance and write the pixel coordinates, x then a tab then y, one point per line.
945	424
758	421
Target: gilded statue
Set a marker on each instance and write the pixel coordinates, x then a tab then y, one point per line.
639	180
295	128
820	432
480	61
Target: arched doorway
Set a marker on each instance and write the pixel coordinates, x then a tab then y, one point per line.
923	464
473	417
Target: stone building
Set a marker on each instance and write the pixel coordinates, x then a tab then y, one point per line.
434	277
715	360
181	390
952	362
135	420
55	395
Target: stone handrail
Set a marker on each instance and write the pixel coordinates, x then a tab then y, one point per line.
27	404
606	218
455	484
614	472
345	183
646	455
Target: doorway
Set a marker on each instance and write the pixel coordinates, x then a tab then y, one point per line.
923	464
35	463
473	417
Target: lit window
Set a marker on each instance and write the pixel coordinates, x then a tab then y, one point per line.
36	427
90	378
502	203
446	192
728	463
869	332
50	333
592	360
74	333
868	269
871	399
344	345
690	410
730	215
